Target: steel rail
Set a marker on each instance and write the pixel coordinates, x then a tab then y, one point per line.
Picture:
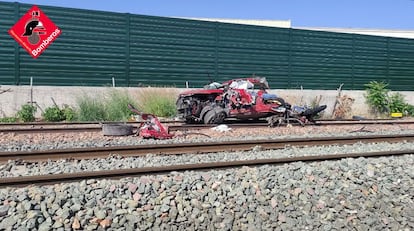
122	173
78	123
185	148
318	123
97	127
50	127
132	122
50	130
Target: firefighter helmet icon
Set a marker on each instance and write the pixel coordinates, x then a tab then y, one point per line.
34	27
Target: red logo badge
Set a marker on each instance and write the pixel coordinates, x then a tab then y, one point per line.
35	31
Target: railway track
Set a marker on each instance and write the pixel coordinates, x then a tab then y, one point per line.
48	127
22	181
186	148
318	123
173	125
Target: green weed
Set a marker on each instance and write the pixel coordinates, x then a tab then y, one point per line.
8	120
53	114
27	112
377	96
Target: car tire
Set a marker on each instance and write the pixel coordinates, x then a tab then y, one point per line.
220	117
117	130
209	117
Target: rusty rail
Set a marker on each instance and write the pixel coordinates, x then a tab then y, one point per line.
318	123
47	127
121	173
185	148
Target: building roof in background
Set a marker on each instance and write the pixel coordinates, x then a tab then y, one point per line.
379	32
288	24
255	22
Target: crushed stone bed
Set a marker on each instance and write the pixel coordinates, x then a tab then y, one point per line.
360	194
22	142
18	168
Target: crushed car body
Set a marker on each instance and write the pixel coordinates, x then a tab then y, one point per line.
243	99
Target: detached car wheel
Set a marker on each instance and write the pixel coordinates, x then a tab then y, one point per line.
117	130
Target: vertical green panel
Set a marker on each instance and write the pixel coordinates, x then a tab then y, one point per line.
127	48
370	59
401	63
171	52
252	50
320	60
8	63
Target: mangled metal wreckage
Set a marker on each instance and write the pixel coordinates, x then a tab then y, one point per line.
242	99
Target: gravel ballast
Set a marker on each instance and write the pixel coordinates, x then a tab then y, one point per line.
17	168
357	194
361	194
26	142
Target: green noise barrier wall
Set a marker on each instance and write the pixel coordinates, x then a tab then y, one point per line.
97	47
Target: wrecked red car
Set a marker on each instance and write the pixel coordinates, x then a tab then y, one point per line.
242	99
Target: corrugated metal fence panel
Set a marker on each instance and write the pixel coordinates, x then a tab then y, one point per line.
90	50
7	45
96	46
401	64
320	60
370	59
171	52
251	50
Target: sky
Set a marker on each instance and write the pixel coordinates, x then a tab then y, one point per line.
367	14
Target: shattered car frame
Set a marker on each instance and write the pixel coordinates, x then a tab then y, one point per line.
243	99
